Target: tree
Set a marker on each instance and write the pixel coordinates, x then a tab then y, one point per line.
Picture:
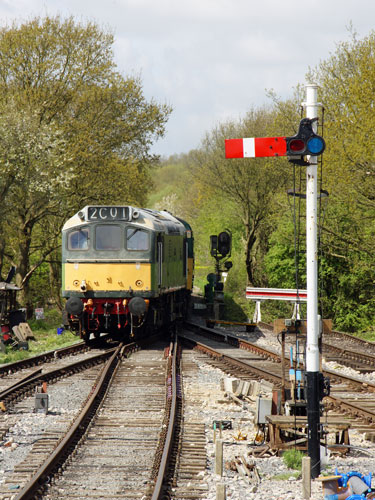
250	184
346	81
73	131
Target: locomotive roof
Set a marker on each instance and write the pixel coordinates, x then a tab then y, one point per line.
161	221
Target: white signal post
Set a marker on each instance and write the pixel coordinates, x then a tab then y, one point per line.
312	353
312	347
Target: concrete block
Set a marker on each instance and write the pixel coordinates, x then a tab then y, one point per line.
220	491
255	388
41	402
266	386
246	388
219	457
239	388
230	384
306	477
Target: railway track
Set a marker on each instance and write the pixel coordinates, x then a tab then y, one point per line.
349	396
14	388
140	436
121	441
131	441
190	455
343	348
125	433
40	359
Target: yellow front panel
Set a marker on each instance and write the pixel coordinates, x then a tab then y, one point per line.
110	277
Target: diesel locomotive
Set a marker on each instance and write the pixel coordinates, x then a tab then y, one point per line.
125	271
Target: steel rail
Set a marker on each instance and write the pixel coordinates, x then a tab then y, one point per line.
28	383
354	410
368	359
354	382
41	358
233	340
22	381
274	378
353	338
77	429
348	336
158	491
240	343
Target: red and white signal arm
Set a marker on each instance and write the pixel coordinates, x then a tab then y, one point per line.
288	294
255	147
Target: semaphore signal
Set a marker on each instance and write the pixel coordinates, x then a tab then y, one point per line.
305	142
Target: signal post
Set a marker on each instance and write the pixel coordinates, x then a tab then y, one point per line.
305	144
312	349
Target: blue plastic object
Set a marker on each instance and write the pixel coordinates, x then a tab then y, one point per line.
343	482
60	331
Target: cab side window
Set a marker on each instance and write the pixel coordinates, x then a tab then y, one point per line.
108	237
78	240
137	239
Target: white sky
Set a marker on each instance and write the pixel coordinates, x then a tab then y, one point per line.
212	59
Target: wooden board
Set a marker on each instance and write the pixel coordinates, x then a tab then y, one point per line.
18	334
279	326
26	331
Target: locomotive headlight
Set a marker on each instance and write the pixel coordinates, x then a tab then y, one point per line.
83	285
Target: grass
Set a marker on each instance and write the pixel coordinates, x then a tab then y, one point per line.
46	338
367	335
293	459
286	475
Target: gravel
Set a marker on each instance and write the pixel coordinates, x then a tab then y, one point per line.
277	481
28	426
211	405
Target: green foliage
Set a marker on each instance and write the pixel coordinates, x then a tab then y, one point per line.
293	459
247	187
282	258
235	309
46	340
45	332
73	132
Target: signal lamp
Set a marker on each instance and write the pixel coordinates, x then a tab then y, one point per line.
306	142
297	146
224	243
316	145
